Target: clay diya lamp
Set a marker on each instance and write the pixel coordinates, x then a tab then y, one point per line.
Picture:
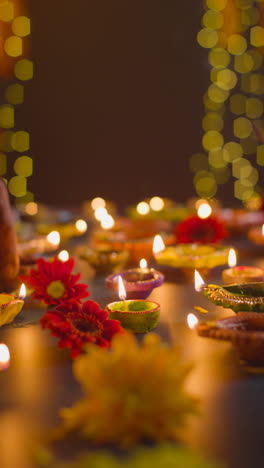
241	274
136	315
11	305
158	208
245	331
256	235
104	259
238	297
238	221
66	231
139	282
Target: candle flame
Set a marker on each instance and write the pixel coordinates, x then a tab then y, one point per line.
192	321
22	292
158	244
143	263
143	208
63	255
54	238
107	222
100	213
81	225
262	229
204	210
121	289
4	356
198	281
156	204
232	258
97	202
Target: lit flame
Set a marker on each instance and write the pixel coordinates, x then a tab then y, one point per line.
121	289
232	259
107	222
97	202
198	281
31	208
204	211
143	208
143	263
4	356
262	229
156	204
81	225
63	255
192	321
158	244
54	238
22	292
100	213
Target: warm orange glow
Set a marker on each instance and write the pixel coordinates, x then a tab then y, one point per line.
97	202
81	225
262	229
143	263
100	213
156	204
158	244
232	259
121	289
4	356
198	281
31	208
143	208
107	222
22	292
54	238
192	321
204	210
63	255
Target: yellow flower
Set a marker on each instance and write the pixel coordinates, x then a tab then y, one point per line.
132	393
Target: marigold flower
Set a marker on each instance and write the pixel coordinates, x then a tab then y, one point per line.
194	230
54	283
134	393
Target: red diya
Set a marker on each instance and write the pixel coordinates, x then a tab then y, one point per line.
244	330
139	282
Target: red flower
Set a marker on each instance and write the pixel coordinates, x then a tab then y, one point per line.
87	323
194	230
54	284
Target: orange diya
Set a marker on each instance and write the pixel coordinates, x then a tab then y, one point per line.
241	274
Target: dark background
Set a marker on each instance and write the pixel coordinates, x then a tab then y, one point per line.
115	105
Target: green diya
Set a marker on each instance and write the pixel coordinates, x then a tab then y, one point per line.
238	297
136	315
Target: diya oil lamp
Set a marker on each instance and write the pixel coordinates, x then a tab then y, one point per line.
40	244
158	208
66	230
104	259
241	274
136	315
11	305
238	297
139	282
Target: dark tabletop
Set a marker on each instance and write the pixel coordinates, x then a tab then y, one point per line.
39	381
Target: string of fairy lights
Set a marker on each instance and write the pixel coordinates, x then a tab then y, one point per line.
233	33
17	69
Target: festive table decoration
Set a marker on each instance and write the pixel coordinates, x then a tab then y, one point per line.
158	208
136	315
238	297
256	235
139	282
245	331
9	259
241	274
104	259
39	245
165	455
11	305
66	231
80	324
54	283
199	230
240	220
135	393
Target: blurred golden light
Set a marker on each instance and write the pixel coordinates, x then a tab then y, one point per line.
217	94
226	79
107	222
212	140
238	104
158	244
216	159
192	321
216	5
63	256
260	155
54	238
257	36
23	166
23	69
206	185
207	38
100	213
231	151
198	281
143	208
257	59
31	208
3	164
15	93
219	58
213	121
198	162
244	63
81	225
241	168
143	263
204	211
242	192
17	186
7	117
4	357
13	46
21	26
254	108
213	19
242	127
97	202
156	204
249	16
20	141
6	11
232	258
22	292
236	44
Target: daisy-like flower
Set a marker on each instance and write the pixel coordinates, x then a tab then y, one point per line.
54	283
135	393
86	323
194	230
